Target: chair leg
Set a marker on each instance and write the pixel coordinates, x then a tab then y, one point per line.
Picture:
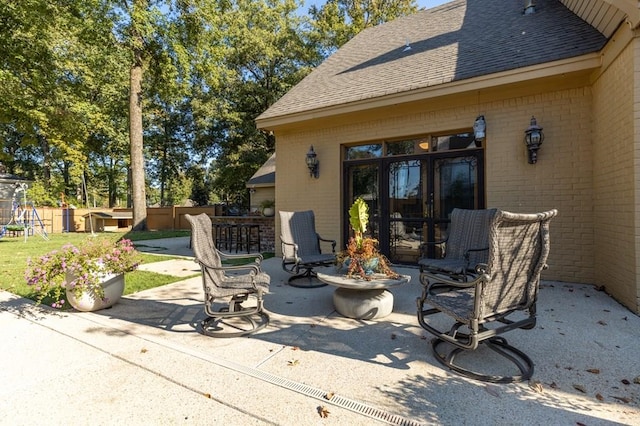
500	346
234	320
311	277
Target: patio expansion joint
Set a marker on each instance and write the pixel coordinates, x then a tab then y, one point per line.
300	388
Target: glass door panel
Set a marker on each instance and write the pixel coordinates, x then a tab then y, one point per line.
406	210
456	183
363	182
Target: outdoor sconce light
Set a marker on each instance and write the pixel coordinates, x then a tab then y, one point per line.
312	162
479	129
533	137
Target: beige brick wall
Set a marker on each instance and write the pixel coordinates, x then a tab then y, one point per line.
561	179
614	189
636	156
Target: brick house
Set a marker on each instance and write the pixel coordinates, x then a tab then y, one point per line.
391	118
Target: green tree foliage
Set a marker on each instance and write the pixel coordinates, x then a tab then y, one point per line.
337	21
154	101
267	53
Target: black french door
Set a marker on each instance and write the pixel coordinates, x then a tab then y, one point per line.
411	197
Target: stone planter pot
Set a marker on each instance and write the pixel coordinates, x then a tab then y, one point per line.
268	211
113	285
370	266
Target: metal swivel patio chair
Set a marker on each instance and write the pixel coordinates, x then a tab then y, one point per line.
482	308
301	248
226	288
467	245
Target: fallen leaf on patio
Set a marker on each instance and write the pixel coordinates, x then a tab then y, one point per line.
323	411
602	322
143	350
492	390
625	382
329	396
293	362
593	370
580	388
621	398
295	348
599	397
207	395
536	386
637	380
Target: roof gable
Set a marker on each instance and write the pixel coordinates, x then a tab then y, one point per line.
455	41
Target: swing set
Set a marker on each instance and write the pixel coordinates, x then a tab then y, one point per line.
24	217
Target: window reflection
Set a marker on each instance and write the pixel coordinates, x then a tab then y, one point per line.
364	151
457	141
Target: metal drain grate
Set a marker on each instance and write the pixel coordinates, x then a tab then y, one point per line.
336	400
319	394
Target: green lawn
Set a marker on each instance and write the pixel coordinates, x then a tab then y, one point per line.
14	252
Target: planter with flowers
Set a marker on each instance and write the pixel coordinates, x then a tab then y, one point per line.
361	257
91	276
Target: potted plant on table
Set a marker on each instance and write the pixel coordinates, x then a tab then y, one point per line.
361	256
90	275
268	208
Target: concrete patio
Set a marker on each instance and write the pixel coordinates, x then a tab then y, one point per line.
142	362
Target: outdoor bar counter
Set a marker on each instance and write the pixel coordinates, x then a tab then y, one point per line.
266	226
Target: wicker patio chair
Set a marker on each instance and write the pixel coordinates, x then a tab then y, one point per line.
226	288
481	309
301	248
466	245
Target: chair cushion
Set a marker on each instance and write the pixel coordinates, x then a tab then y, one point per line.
238	284
457	303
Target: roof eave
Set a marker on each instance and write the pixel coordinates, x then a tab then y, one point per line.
631	8
579	63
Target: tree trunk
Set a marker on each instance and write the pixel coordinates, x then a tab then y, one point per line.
139	197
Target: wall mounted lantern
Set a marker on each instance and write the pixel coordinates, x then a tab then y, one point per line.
479	129
312	162
533	137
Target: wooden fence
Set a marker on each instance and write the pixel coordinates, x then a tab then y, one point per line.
58	220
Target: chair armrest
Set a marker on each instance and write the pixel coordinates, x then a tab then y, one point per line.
258	256
467	252
438	281
253	269
423	246
294	245
333	243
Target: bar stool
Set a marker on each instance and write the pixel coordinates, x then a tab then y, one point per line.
223	235
249	236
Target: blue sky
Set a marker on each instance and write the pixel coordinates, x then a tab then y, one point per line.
427	4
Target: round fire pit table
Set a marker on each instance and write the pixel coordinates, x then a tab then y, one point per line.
362	299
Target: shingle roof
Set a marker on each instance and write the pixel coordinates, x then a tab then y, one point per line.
265	175
455	41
